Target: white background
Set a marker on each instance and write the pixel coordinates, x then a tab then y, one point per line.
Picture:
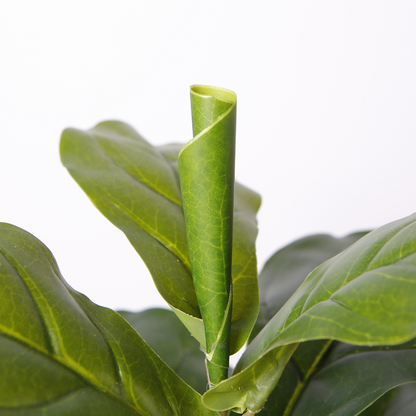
326	114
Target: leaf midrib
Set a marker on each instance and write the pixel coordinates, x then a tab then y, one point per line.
149	230
365	270
130	214
57	359
63	359
305	378
266	347
145	184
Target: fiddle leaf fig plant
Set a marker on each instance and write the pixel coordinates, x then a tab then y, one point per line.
329	323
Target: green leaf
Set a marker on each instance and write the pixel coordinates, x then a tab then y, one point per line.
294	379
365	295
398	402
379	407
354	377
280	271
282	274
136	186
404	401
165	334
249	389
62	354
286	270
206	173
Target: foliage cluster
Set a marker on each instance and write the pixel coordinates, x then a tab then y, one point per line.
329	322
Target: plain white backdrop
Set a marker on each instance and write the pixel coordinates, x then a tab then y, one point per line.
326	115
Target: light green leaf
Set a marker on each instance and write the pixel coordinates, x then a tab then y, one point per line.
136	186
166	335
286	270
294	379
250	388
206	173
282	274
365	295
62	354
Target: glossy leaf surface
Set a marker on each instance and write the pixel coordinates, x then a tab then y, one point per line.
295	377
206	173
136	186
281	276
165	334
286	270
62	354
352	392
365	295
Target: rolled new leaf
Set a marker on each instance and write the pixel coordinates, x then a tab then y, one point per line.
206	172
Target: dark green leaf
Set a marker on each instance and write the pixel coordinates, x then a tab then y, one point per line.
354	377
136	186
402	402
379	407
365	295
206	173
62	354
165	334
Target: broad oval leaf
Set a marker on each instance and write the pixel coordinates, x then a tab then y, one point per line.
365	295
62	354
165	334
136	186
